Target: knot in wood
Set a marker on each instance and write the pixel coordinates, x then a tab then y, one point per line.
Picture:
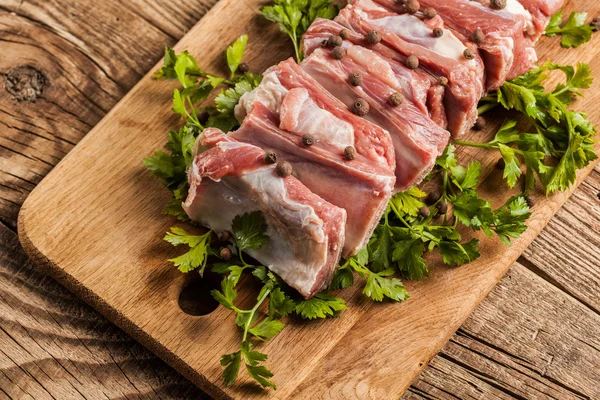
25	83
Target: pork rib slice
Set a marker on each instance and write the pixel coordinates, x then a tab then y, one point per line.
442	57
306	233
359	186
505	50
321	113
422	88
417	139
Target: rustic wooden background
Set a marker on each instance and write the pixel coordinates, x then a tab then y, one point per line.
64	64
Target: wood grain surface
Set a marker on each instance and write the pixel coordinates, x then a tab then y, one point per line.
481	361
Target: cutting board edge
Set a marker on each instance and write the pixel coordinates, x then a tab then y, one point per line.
103	307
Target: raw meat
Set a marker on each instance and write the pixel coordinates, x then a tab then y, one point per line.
541	11
417	139
288	104
333	119
442	57
306	233
423	88
507	48
359	186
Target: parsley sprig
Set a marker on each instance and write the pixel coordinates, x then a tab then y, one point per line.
249	232
573	32
558	141
295	16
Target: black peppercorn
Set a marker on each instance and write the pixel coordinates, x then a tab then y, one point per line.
355	79
529	201
596	23
438	32
344	34
324	43
443	81
478	36
424	211
360	107
373	37
243	68
350	153
412	62
225	254
284	169
429	13
498	4
468	53
223	236
433	196
442	207
412	6
338	52
396	99
203	117
480	123
334	40
308	139
270	157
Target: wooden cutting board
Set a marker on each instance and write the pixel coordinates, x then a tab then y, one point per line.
95	225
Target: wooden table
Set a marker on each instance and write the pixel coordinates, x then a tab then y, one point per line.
64	65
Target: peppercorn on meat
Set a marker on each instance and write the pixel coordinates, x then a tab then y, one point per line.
444	57
422	88
357	185
417	139
306	233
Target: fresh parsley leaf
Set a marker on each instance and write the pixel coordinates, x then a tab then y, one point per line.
228	99
562	139
199	246
342	279
249	230
409	202
267	328
322	305
232	363
574	32
456	254
235	53
379	285
280	304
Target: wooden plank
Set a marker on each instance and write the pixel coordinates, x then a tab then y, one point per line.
84	58
567	253
52	345
514	344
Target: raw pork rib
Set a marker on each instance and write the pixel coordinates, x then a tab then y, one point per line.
321	113
358	186
305	232
288	104
507	48
442	57
417	139
422	88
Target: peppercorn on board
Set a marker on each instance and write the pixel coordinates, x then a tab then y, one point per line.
94	224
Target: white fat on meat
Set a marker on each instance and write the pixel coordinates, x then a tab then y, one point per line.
270	92
223	199
300	114
413	30
514	7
